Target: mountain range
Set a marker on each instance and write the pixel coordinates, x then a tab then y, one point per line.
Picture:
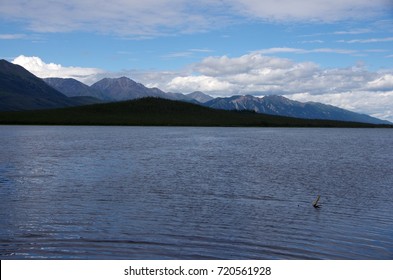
281	106
123	88
119	89
21	90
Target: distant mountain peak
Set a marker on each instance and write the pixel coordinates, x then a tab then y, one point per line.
275	97
73	88
124	88
280	105
199	96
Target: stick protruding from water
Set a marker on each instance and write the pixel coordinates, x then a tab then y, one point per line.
315	203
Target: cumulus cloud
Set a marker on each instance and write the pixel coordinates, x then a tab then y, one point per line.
382	83
45	70
226	66
157	17
256	73
199	83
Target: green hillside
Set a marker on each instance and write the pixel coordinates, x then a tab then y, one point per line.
159	112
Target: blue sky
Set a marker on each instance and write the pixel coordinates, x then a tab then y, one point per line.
338	52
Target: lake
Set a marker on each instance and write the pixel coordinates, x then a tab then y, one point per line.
79	192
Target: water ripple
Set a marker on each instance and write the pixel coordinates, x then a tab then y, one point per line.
195	193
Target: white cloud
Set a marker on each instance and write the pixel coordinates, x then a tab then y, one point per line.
305	51
121	17
371	40
255	72
44	70
198	83
201	50
226	66
177	54
187	53
312	42
382	83
353	31
12	36
156	17
311	10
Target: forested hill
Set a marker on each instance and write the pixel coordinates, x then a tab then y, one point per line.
161	112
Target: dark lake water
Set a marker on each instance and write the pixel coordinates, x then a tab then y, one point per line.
195	193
